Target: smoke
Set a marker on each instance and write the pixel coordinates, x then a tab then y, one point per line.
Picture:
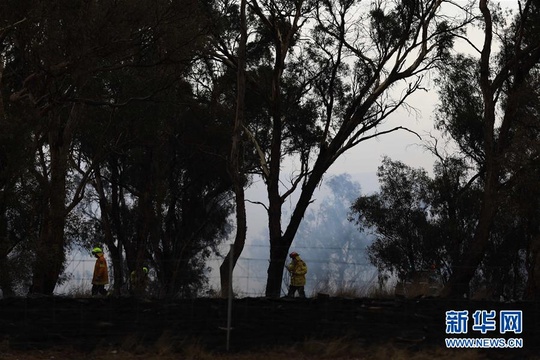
332	247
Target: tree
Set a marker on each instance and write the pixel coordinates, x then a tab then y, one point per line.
502	90
164	194
342	76
419	221
404	220
13	160
236	163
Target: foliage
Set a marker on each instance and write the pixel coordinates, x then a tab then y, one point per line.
116	121
459	114
489	108
420	220
477	202
406	238
163	190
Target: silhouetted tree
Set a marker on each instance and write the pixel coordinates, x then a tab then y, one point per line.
403	221
494	108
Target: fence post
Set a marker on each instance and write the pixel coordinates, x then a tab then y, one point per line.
229	302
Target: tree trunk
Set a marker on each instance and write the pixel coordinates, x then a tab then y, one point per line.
50	255
280	244
462	273
532	291
146	220
6	283
5	276
278	256
239	242
117	204
236	166
115	252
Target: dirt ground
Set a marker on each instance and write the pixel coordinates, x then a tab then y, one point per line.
127	328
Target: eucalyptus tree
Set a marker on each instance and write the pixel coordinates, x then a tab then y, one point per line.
417	220
15	222
460	117
346	66
18	206
236	161
164	195
493	117
400	217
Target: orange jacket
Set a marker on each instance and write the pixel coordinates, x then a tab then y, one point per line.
101	274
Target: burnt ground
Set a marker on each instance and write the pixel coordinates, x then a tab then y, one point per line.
258	323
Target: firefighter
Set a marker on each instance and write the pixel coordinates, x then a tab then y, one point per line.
139	281
298	269
101	273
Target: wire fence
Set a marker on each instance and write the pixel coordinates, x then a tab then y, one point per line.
249	276
333	270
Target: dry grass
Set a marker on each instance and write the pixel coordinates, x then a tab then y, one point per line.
352	290
339	349
79	290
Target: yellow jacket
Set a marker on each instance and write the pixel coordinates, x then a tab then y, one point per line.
298	270
101	273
